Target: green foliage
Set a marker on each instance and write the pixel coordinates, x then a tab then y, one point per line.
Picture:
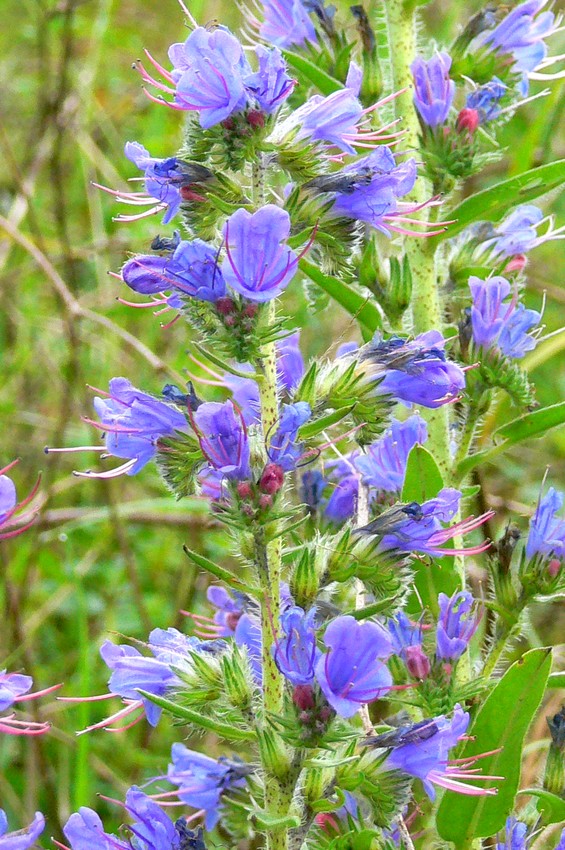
501	724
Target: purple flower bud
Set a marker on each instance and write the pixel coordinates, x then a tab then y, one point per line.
384	465
456	625
296	652
375	184
416	372
134	422
132	671
546	536
223	439
85	831
147	274
433	89
203	780
23	838
498	324
515	833
342	503
486	99
352	672
271	85
209	72
286	23
283	449
417	662
258	265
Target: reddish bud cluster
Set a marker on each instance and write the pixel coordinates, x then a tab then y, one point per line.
272	479
468	121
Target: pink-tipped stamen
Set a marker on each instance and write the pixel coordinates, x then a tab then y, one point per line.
111	473
119	715
36	694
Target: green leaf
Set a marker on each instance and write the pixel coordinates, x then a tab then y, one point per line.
550	805
530	425
423	481
501	724
217	571
556	680
492	203
224	730
356	305
311	429
323	81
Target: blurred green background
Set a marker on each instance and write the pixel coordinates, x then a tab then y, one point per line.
105	558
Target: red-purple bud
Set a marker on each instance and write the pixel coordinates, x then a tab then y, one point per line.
250	310
417	662
516	264
228	124
265	502
232	619
553	567
230	321
225	306
468	121
303	697
272	479
256	118
244	490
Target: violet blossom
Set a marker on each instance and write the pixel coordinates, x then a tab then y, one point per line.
14	519
546	536
282	447
485	100
22	839
271	85
457	623
223	439
498	324
352	672
383	467
517	234
14	690
515	834
433	89
248	635
296	652
286	23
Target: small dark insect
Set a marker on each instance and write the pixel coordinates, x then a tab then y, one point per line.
188	399
166	243
388	521
189	838
343	183
422	731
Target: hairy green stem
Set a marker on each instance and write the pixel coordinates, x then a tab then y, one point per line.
427	313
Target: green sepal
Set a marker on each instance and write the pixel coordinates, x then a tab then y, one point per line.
228	731
220	572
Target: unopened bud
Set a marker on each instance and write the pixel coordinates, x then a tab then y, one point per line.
225	306
468	121
553	567
516	264
228	124
265	502
417	662
256	118
272	479
244	490
250	310
303	697
554	778
229	321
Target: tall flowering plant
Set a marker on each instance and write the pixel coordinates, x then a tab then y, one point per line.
343	656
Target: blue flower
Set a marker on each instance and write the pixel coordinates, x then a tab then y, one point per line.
515	833
372	187
23	838
132	671
561	845
404	633
223	439
229	609
485	100
270	85
433	89
286	23
296	652
312	486
209	72
344	482
546	536
423	751
517	233
352	672
163	178
282	448
203	780
258	264
12	686
290	363
498	324
456	625
415	372
134	422
152	829
384	465
85	831
248	635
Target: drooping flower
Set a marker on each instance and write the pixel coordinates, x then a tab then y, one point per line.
416	371
546	537
22	838
433	89
498	324
352	671
282	446
372	186
85	831
191	270
223	439
271	85
422	751
296	652
457	623
133	423
13	519
517	234
515	833
486	100
286	23
383	467
259	265
419	528
203	780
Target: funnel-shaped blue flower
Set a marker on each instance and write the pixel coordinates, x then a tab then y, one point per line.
433	89
223	438
23	838
384	465
296	652
456	625
500	324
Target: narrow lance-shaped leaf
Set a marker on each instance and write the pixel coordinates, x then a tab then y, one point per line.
356	305
500	725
